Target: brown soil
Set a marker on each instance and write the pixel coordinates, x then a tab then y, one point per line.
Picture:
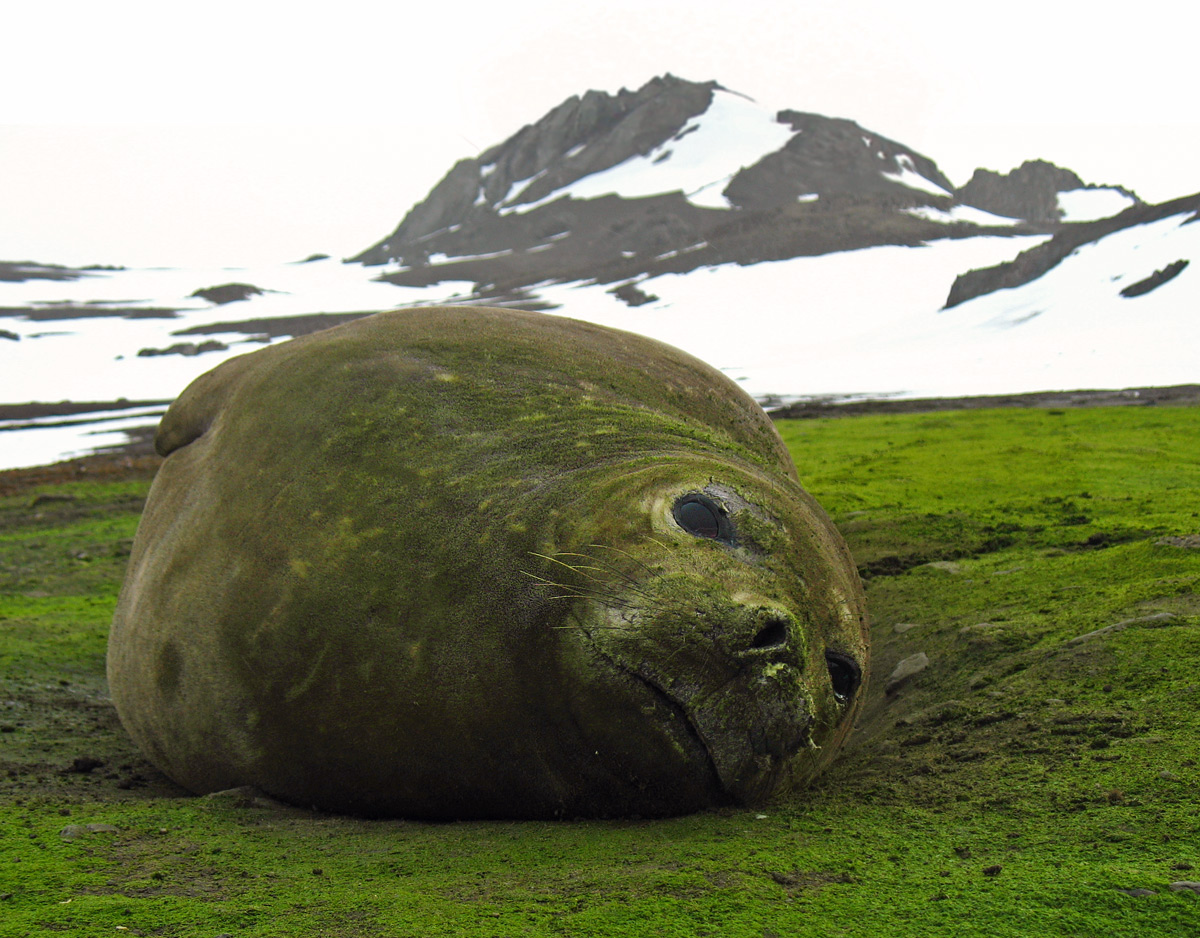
1054	400
105	466
36	409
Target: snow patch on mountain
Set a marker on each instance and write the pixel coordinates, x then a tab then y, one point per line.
699	161
435	259
962	213
908	176
1093	204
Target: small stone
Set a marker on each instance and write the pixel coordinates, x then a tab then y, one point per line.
1169	776
1187	541
906	670
947	566
1137	893
102	829
901	627
1157	620
1186	886
72	832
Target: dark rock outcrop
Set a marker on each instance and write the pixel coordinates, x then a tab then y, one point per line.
1029	265
1155	280
185	348
227	293
18	271
830	156
1030	191
632	295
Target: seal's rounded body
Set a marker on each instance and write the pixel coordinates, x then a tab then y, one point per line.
466	562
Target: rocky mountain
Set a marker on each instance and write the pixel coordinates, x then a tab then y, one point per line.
680	175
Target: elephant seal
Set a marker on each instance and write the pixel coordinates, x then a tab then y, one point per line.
477	563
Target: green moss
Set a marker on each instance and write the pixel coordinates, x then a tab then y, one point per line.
1070	766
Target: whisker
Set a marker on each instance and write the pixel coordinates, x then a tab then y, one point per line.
617	550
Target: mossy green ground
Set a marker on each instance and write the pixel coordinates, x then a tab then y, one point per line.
1021	784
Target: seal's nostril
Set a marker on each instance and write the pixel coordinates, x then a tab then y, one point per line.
772	635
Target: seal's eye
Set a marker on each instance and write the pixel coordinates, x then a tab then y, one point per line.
845	674
700	515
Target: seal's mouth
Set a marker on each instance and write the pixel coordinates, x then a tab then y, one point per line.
695	738
743	760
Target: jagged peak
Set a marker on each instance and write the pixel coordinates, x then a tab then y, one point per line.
685	169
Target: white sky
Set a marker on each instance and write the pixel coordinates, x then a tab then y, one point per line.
153	133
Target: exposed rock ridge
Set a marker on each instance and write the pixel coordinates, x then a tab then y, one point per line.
833	156
1029	265
1030	191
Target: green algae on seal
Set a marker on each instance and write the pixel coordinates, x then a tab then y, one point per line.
472	563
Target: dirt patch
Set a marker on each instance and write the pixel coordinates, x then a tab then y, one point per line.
109	466
1183	394
36	409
